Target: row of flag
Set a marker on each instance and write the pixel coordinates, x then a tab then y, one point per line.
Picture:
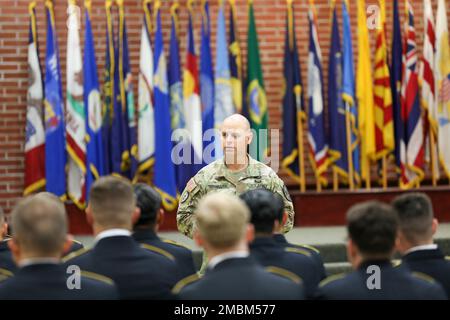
403	110
398	107
95	133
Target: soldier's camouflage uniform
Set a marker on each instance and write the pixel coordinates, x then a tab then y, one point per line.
217	177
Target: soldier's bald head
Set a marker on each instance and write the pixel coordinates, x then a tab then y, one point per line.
236	121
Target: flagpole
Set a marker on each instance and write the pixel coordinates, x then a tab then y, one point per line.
300	115
301	157
384	172
349	147
368	182
432	156
335	180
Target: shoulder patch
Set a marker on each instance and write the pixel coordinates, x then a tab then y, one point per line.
423	276
284	273
96	276
185	196
184	282
175	243
331	279
6	273
158	250
298	251
191	185
74	254
447	258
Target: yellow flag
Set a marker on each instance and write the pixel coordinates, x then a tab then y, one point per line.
364	93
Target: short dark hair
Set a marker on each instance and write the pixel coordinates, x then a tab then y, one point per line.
372	226
265	207
149	201
415	215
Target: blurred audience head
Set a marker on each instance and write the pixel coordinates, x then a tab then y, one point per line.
148	200
112	204
39	228
266	209
417	224
222	224
372	230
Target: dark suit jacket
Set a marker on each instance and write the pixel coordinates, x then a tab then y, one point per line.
432	263
182	255
296	260
7	262
315	254
137	272
396	283
49	282
241	279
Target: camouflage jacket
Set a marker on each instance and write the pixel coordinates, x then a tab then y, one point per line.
217	177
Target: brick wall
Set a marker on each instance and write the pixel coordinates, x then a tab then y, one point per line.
270	20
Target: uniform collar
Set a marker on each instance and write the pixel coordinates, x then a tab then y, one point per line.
278	237
432	246
226	256
424	254
112	233
264	241
382	263
222	170
145	234
38	261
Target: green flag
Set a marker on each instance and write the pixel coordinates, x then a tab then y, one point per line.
256	95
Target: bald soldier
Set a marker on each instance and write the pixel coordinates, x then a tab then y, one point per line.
235	173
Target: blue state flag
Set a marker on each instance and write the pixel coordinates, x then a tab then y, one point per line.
396	82
54	116
124	115
336	109
92	101
108	93
293	105
207	84
223	96
178	121
348	90
164	178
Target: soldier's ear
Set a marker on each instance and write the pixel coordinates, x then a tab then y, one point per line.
285	218
160	217
198	239
67	244
136	214
249	136
250	233
434	226
89	217
14	247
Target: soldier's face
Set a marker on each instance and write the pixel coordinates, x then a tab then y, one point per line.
234	143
